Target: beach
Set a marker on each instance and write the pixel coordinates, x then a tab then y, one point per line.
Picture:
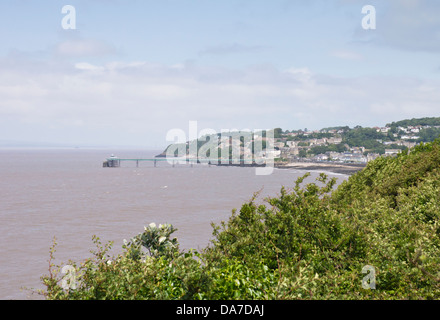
341	168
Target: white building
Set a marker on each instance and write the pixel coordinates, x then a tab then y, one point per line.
391	152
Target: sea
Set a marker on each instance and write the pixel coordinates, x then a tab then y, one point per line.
67	196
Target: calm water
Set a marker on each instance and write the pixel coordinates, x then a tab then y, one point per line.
67	194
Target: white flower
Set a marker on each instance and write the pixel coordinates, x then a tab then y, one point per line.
152	225
162	239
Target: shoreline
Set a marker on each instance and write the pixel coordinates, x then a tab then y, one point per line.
341	168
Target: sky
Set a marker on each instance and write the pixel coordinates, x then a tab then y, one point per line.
132	70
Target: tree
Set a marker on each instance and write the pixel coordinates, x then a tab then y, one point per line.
330	148
363	137
428	134
277	132
302	153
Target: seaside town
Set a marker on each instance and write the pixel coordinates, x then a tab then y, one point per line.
345	145
330	145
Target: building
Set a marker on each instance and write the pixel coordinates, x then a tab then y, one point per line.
358	150
334	140
409	145
294	151
391	152
321	157
279	145
372	156
383	129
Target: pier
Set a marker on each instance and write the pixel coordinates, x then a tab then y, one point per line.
115	162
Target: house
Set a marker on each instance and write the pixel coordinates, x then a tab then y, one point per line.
321	157
285	152
334	155
372	156
294	151
359	159
408	144
279	145
383	129
269	154
353	158
334	140
391	152
358	150
403	129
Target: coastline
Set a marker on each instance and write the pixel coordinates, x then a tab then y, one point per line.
341	168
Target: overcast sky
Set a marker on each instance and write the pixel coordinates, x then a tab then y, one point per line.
134	69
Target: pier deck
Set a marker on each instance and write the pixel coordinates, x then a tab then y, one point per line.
114	162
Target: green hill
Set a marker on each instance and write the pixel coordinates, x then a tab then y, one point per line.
311	242
432	121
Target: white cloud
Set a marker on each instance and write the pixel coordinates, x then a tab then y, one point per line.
140	101
83	48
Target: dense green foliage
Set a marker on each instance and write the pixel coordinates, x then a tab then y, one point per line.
428	134
365	137
314	135
330	148
343	128
416	122
310	242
